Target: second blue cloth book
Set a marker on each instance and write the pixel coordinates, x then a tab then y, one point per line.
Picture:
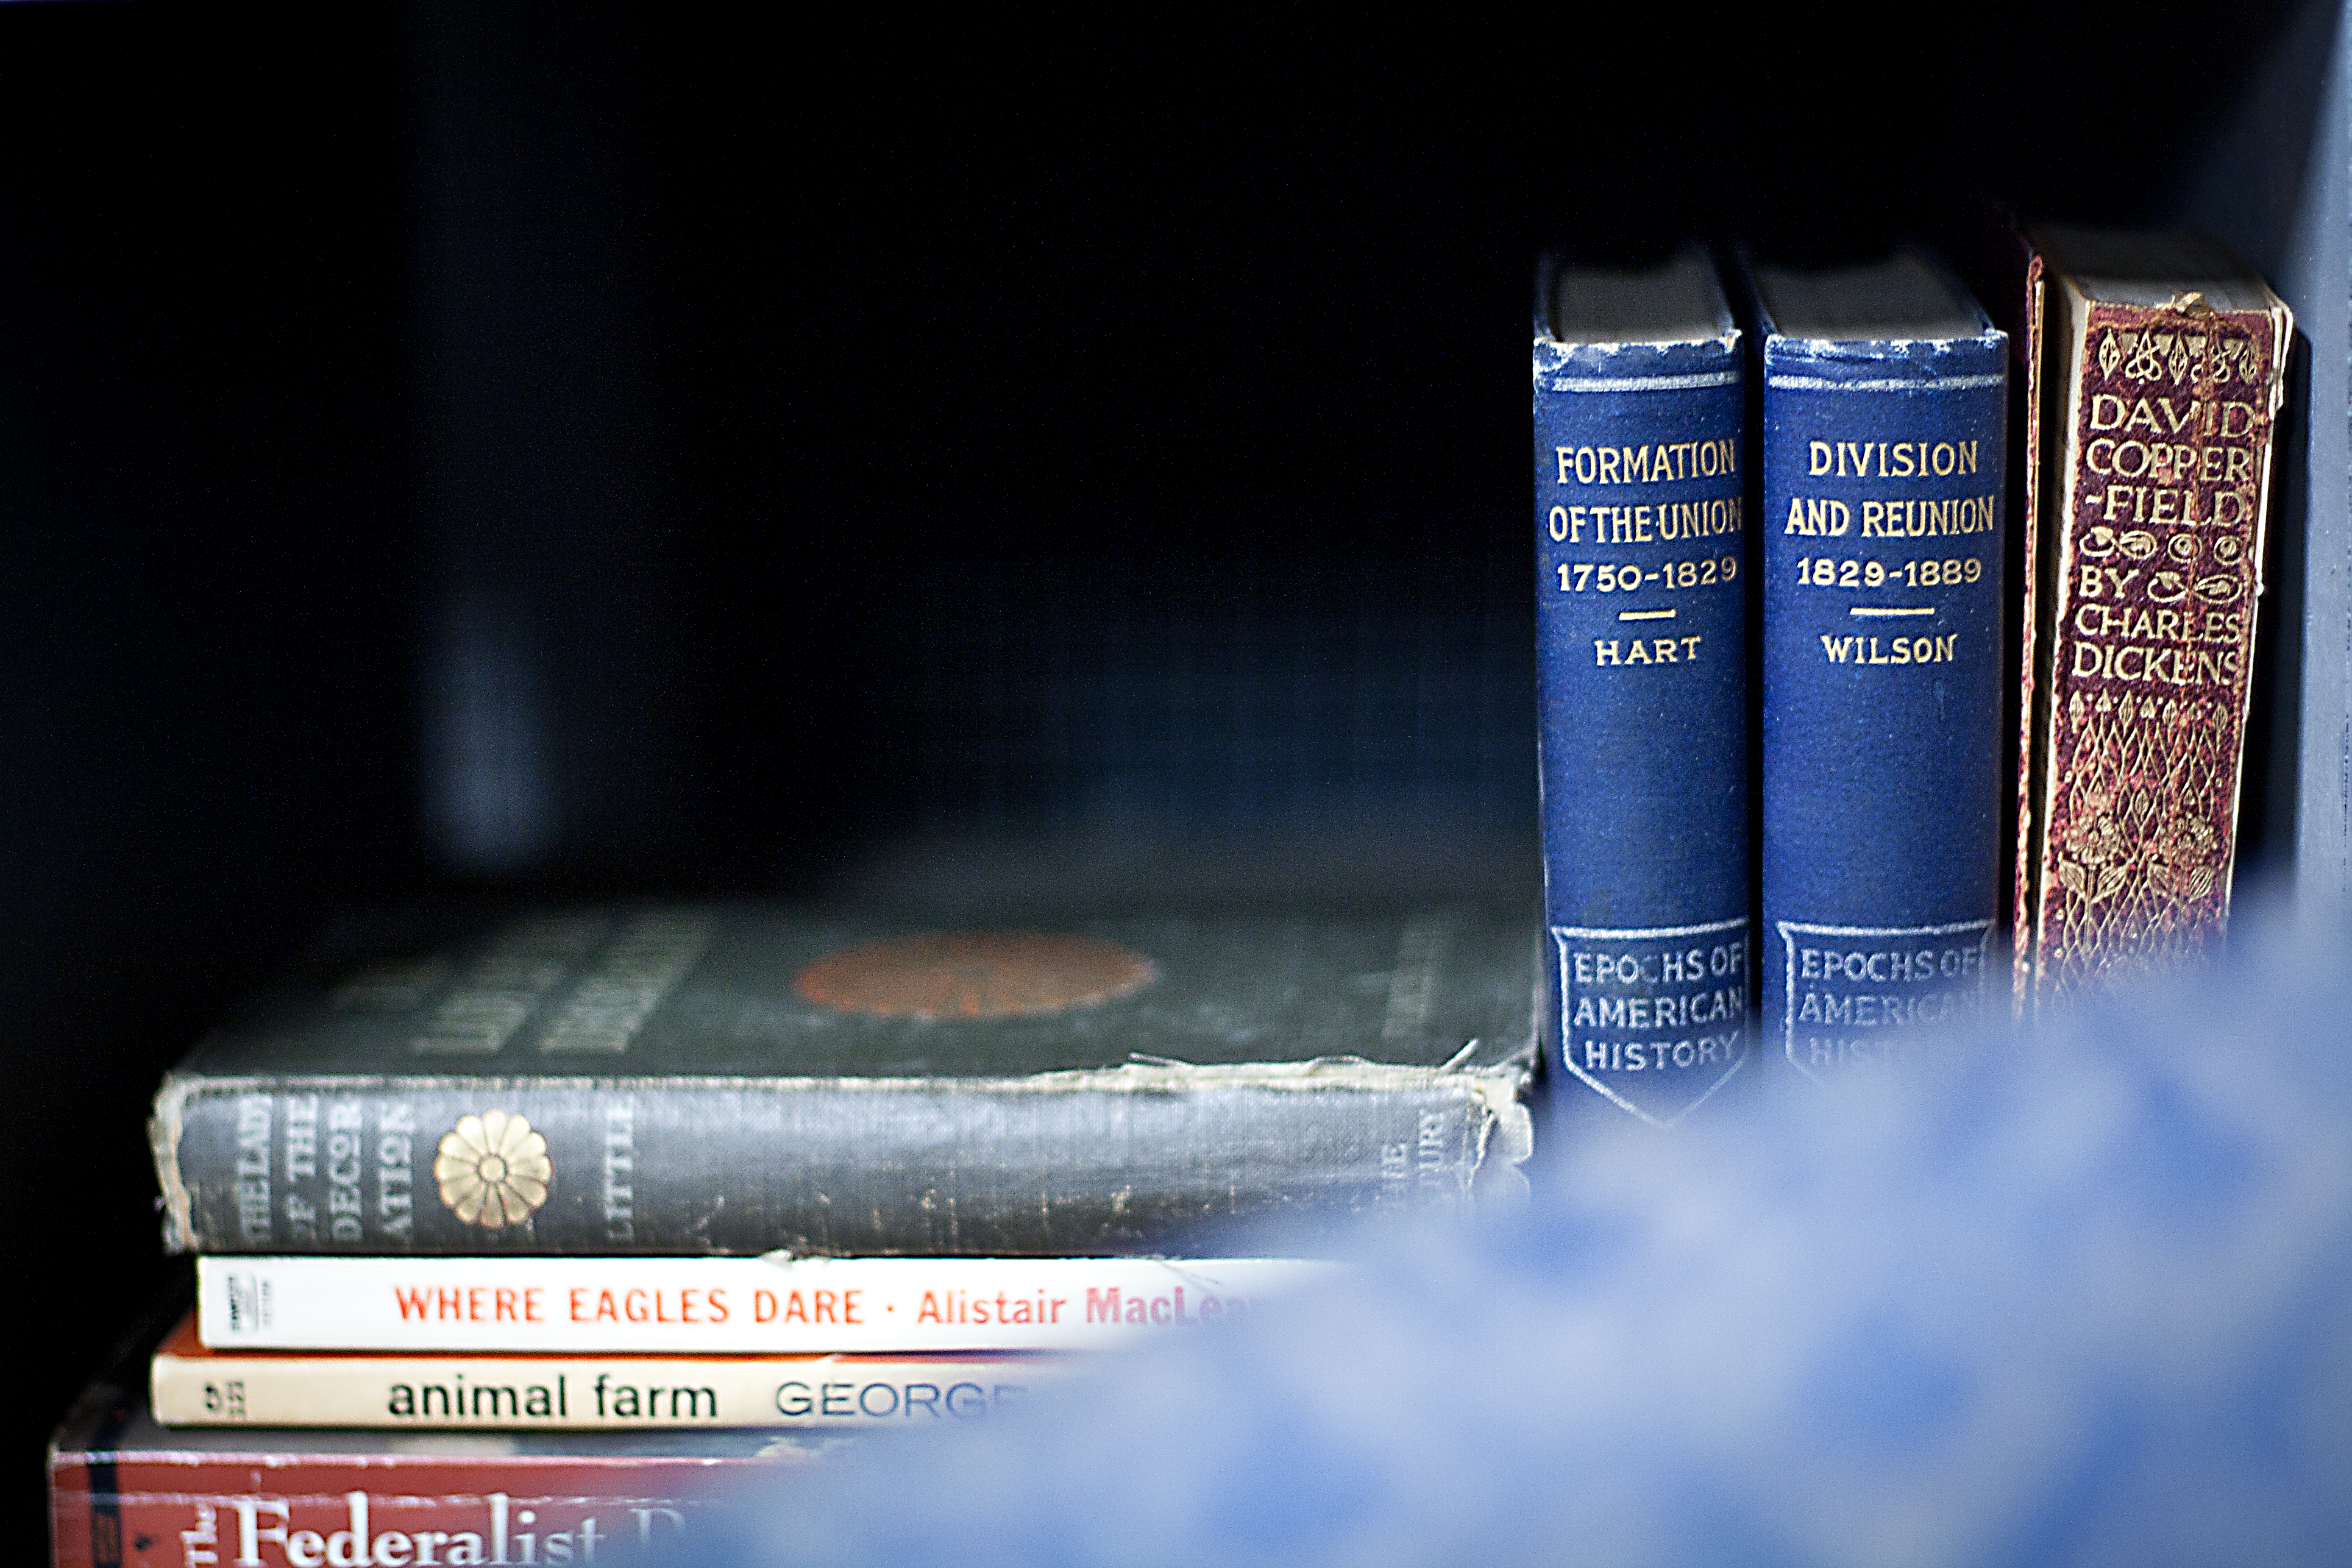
1885	417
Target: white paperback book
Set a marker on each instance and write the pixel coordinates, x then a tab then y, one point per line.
191	1386
775	1304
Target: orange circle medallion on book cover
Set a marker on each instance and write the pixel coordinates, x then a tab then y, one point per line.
973	974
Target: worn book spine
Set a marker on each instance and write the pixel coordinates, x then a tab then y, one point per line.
523	1393
1884	490
787	1306
275	1506
1640	638
2151	570
1126	1160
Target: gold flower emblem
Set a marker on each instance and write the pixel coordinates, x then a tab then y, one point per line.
493	1169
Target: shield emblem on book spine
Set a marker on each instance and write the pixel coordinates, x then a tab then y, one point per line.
1655	1020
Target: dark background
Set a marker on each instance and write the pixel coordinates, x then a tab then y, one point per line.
488	452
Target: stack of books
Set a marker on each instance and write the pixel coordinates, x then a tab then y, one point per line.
511	1232
633	1192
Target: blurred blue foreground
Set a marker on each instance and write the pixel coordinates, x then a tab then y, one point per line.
2079	1297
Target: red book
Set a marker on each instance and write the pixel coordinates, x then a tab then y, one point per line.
126	1491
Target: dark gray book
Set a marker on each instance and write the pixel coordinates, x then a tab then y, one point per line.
745	1078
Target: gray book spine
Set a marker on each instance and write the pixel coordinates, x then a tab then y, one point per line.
1134	1159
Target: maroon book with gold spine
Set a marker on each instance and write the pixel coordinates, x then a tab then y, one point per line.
124	1491
2160	389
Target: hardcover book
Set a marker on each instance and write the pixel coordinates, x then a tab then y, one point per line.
2164	372
1885	405
189	1386
1641	665
741	1079
124	1489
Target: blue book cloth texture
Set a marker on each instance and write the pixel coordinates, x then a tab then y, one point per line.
1641	649
1885	417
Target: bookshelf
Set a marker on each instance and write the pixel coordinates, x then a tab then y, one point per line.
2272	181
512	455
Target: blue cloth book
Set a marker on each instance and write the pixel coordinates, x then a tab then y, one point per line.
1641	658
1885	418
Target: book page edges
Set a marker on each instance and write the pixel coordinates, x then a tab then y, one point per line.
2035	693
163	1137
2059	549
